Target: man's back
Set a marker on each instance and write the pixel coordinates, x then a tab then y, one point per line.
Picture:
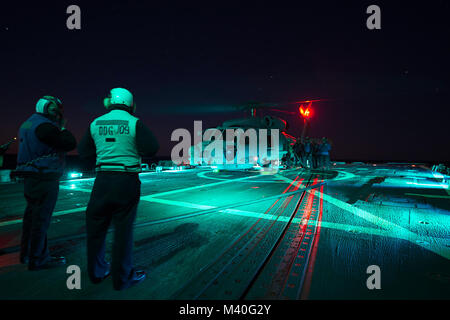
114	135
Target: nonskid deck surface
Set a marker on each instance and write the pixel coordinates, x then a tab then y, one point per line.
245	235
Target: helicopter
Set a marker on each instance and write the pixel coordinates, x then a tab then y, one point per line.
279	151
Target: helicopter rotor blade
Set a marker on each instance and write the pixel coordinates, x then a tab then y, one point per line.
199	109
283	107
283	111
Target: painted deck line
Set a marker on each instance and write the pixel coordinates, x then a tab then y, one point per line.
74	188
430	243
58	213
427	195
150	198
195	187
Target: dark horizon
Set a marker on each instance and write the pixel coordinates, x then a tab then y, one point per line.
387	90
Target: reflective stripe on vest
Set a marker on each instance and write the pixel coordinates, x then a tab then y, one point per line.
114	135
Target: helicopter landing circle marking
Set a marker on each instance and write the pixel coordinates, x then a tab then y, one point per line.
203	175
341	176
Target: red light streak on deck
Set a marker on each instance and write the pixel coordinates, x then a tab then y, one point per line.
257	221
308	278
286	269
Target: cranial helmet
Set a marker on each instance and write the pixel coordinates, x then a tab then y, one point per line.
120	96
49	105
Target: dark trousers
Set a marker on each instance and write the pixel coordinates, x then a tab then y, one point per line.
324	162
307	161
41	195
114	198
315	161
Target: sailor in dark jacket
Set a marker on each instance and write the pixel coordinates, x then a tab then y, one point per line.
324	154
43	142
307	153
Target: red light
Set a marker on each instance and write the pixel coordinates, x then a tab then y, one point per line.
306	112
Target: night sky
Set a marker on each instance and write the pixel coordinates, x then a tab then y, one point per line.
387	90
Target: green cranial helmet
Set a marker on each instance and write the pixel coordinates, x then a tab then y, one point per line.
49	105
120	96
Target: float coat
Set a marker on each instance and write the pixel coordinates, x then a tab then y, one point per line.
114	135
34	155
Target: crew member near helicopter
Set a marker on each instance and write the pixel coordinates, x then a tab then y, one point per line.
298	150
43	142
307	153
117	140
324	154
315	145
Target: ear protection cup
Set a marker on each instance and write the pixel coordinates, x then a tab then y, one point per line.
107	101
45	102
42	106
52	101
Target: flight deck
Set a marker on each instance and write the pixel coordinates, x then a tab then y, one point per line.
295	234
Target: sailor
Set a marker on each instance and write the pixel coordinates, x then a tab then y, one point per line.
307	153
314	153
43	141
298	151
291	158
324	154
117	140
